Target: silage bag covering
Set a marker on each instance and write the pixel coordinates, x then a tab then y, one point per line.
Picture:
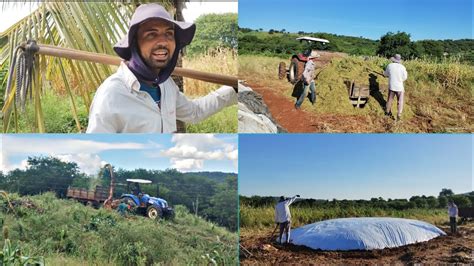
363	233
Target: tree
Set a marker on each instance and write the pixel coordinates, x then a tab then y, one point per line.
214	31
442	201
461	201
395	43
446	192
433	48
45	174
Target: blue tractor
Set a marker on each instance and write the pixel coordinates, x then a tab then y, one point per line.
144	204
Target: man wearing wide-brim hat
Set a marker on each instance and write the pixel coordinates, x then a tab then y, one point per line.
141	97
396	74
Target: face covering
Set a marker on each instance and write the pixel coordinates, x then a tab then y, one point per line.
144	73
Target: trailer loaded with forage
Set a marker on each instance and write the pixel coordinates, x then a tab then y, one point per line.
137	202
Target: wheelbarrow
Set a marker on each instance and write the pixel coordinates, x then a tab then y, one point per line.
358	94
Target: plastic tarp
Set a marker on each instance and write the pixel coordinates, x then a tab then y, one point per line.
363	233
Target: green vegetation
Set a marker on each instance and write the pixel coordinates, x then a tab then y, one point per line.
283	44
214	32
223	122
438	94
258	212
64	232
214	197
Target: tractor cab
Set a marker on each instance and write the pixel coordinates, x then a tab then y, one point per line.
143	203
294	72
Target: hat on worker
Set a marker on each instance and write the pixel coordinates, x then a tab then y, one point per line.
313	55
184	31
396	58
127	48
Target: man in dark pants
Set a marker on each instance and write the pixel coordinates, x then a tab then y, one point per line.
453	213
283	217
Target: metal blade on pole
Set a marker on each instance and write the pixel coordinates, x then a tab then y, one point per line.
114	60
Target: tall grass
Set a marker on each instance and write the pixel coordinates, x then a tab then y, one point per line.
224	121
261	217
216	61
63	230
58	115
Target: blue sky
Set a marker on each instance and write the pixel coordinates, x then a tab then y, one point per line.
185	152
423	19
354	166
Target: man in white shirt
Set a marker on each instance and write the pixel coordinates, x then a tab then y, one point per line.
283	216
453	213
141	97
396	74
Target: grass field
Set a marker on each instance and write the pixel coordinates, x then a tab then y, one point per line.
263	217
438	95
64	232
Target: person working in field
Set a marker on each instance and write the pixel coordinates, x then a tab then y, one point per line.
308	81
396	74
283	217
141	97
453	213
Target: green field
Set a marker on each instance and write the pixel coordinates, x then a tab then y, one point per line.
64	232
263	217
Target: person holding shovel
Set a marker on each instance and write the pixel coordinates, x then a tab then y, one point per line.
283	217
141	97
396	74
308	81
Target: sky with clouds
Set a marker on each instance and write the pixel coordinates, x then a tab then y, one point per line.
184	152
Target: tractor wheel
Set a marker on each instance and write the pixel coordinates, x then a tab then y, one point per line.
295	71
281	70
154	212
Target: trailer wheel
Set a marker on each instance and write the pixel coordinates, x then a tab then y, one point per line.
295	71
154	212
281	70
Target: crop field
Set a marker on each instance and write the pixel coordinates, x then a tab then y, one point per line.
438	95
64	232
257	225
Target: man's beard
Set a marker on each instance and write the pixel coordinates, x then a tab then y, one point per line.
157	65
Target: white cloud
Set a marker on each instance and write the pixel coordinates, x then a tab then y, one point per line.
89	164
196	8
192	150
82	152
187	165
15	145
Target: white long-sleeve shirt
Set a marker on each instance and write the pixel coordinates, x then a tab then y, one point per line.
120	107
453	210
282	211
396	74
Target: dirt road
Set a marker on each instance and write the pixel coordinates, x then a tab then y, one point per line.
300	121
444	249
